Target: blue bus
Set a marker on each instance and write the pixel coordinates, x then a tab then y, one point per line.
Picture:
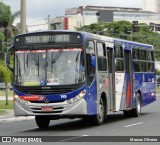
70	74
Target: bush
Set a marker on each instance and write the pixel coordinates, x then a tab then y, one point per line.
5	75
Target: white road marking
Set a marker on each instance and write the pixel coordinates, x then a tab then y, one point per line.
30	129
134	124
72	138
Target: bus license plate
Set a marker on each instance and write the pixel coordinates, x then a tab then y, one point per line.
47	109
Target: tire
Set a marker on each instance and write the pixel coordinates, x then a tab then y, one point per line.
137	111
127	113
42	121
99	118
134	112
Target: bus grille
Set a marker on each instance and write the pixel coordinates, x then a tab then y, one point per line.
60	101
47	90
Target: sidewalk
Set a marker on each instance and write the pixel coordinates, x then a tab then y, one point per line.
9	117
4	97
9	114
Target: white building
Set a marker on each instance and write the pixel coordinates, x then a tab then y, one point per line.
151	5
80	16
37	26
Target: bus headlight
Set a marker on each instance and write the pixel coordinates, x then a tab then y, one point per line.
19	100
77	98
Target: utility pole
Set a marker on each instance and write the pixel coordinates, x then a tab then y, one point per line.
23	16
49	22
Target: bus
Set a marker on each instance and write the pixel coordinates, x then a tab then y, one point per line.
71	74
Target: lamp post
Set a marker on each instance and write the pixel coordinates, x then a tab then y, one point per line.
23	16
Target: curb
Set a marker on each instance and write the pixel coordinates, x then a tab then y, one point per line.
16	119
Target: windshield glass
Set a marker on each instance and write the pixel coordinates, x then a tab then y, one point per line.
60	66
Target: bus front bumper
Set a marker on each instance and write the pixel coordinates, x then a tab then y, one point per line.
59	109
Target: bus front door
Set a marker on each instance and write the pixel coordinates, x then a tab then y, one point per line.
111	73
128	79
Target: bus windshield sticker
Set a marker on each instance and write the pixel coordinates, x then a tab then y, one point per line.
53	81
67	49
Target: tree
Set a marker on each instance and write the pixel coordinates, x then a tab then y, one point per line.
2	37
5	77
123	30
14	16
5	15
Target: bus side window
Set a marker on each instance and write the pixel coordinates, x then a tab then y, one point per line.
150	58
102	61
136	59
90	51
143	59
119	58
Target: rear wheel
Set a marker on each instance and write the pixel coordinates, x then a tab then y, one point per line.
98	119
42	121
127	113
137	111
134	112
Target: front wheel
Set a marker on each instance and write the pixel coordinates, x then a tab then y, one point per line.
98	119
42	121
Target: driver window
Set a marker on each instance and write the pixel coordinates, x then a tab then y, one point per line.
90	47
90	50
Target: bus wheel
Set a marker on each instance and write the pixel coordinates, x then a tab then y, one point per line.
42	121
137	111
127	113
99	118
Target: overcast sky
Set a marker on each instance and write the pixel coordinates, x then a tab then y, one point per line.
38	10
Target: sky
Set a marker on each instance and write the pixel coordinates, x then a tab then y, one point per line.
38	10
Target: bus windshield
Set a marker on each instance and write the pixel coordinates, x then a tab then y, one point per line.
58	66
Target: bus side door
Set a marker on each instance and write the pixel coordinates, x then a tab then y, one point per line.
128	78
111	76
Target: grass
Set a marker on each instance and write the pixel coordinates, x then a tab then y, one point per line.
2	112
4	106
3	93
158	90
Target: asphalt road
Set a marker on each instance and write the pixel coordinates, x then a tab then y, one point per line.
148	124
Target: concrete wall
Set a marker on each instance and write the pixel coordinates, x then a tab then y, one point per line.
151	5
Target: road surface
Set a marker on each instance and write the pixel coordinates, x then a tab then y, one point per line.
148	124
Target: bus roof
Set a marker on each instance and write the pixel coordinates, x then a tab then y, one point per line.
98	37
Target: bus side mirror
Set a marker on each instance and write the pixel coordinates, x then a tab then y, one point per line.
93	61
8	57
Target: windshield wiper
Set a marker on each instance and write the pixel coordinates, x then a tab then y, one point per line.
19	68
35	59
57	55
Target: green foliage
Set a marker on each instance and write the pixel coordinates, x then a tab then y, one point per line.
158	72
123	30
5	75
2	37
3	105
5	15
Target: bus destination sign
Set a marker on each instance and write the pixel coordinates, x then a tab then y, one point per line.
47	39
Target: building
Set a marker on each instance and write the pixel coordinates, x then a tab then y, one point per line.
37	26
151	5
79	16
